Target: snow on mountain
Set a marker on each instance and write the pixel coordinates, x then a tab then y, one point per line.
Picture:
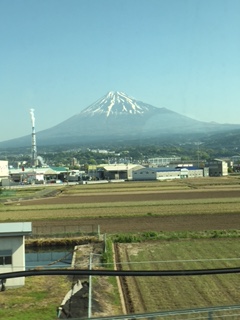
117	116
117	103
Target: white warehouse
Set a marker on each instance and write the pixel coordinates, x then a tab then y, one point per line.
168	173
3	170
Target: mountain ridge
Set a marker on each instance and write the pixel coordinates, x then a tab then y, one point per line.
118	116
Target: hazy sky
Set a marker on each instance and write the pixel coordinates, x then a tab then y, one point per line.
59	56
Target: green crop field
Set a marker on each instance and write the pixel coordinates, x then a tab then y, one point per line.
119	209
182	292
214	247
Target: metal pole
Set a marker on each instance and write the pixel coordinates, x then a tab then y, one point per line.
105	243
98	230
90	289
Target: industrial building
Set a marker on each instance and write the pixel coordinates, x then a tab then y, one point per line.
108	172
38	175
119	171
3	171
161	162
169	173
217	168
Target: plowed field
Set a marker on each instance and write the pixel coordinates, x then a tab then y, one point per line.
114	224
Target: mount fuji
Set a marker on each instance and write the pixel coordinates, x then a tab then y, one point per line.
116	116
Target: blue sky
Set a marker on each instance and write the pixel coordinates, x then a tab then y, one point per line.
59	56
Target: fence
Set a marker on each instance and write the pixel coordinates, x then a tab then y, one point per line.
65	230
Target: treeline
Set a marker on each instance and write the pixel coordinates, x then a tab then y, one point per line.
186	147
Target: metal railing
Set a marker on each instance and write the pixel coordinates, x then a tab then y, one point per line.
65	230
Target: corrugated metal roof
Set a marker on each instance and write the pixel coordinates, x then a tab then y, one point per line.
15	228
38	170
50	171
60	169
167	169
119	167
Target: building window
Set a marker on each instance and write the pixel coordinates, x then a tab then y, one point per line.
5	257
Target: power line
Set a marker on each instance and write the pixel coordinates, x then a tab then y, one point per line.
125	273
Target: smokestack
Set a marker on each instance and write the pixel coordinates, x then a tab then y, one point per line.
34	146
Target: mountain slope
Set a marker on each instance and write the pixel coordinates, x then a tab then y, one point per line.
118	116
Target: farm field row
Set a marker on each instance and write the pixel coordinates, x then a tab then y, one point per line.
176	206
121	209
219	183
151	294
134	211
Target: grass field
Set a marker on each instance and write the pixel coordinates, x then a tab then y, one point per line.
141	205
119	209
174	293
88	201
38	299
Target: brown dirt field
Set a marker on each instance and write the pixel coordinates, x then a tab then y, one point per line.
163	223
150	223
144	196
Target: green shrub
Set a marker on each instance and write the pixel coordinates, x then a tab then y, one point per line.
152	235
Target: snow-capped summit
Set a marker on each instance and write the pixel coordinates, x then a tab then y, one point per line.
116	116
117	103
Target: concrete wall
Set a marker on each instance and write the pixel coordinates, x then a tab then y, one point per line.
144	174
197	173
166	175
3	169
16	246
161	162
150	174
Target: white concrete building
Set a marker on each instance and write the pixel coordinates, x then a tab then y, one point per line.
3	170
117	171
160	162
12	250
167	173
38	175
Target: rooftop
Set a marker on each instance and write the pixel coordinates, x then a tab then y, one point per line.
15	229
